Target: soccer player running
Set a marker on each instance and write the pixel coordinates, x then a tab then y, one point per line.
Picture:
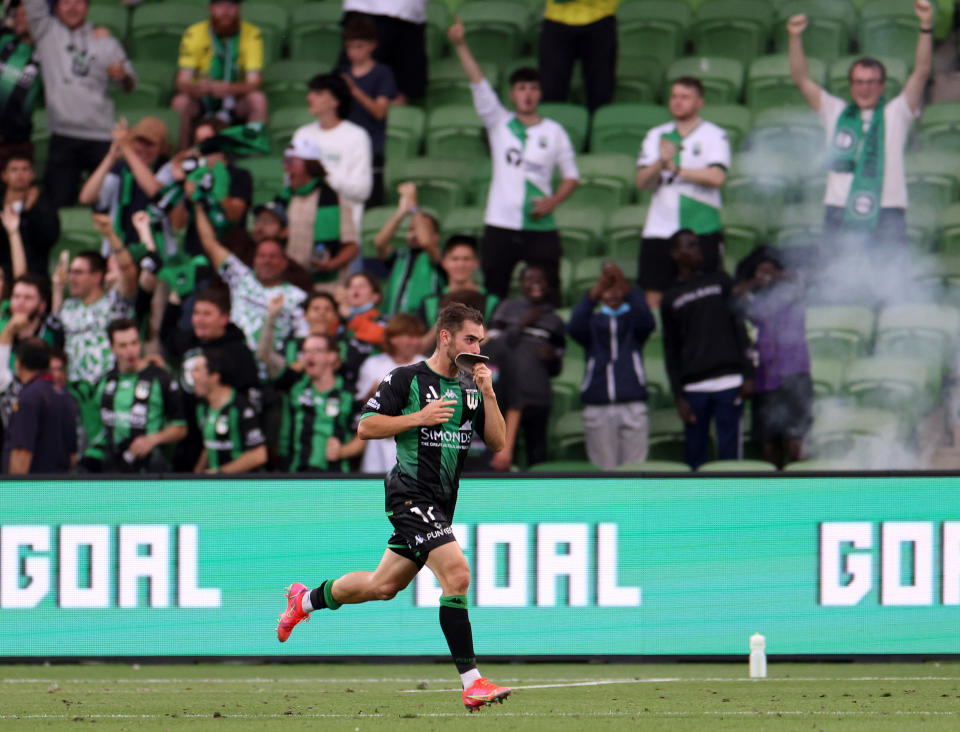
432	410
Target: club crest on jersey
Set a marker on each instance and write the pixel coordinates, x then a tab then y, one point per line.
222	427
864	204
473	398
142	390
544	142
333	407
697	148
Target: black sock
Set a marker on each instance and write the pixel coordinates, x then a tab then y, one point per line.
321	598
455	624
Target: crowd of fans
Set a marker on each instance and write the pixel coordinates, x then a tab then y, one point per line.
209	335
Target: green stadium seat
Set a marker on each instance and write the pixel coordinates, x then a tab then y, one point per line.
448	83
76	229
455	131
744	228
267	173
922	225
759	181
606	180
658	27
843	332
373	220
620	128
405	127
639	78
315	33
441	184
156	30
157	78
948	234
574	118
285	82
933	177
273	22
823	466
865	435
666	435
463	220
40	137
926	331
655	372
888	28
940	126
735	119
494	29
827	376
581	231
737	466
838	77
733	28
438	20
567	440
722	78
284	122
111	17
624	230
800	225
769	83
792	132
897	383
830	26
654	466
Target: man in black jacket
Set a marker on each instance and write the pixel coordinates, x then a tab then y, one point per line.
210	327
707	353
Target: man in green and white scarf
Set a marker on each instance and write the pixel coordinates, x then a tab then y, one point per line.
866	185
219	69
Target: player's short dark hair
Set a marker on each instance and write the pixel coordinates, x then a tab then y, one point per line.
359	29
374	282
218	362
683	236
471	298
34	280
868	62
216	296
691	82
121	324
336	86
524	73
33	354
94	259
461	240
453	315
320	296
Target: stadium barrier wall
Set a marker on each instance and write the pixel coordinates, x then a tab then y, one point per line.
609	565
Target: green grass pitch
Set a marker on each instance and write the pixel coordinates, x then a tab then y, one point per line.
360	697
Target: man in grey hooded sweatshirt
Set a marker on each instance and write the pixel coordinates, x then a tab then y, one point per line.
78	64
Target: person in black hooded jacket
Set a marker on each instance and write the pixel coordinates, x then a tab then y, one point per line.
210	326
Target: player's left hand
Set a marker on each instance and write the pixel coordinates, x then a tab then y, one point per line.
483	377
543	206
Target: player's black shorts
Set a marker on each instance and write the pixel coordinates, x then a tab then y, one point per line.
418	528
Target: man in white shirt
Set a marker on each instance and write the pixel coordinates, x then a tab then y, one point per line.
866	184
685	161
345	148
401	41
525	148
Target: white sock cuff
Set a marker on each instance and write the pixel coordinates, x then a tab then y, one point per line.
468	677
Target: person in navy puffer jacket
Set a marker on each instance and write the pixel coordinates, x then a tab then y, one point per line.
614	392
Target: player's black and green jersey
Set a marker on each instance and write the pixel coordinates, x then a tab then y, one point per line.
20	86
49	331
430	306
429	459
351	358
230	431
131	405
310	419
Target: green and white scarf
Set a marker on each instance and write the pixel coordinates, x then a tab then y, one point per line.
223	65
862	154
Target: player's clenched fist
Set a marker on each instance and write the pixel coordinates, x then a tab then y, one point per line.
483	377
436	412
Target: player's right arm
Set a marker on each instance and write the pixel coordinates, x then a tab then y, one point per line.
459	43
378	426
799	71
